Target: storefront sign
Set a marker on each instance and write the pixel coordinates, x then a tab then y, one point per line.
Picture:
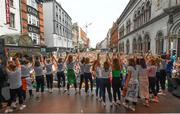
7	12
32	11
33	29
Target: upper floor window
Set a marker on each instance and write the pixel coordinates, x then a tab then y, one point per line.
128	26
122	31
12	20
148	11
32	3
11	3
33	20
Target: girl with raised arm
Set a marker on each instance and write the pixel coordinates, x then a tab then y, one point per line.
98	75
39	75
106	85
14	75
60	72
71	77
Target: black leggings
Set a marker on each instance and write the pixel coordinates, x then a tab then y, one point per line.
116	85
87	77
49	78
68	85
106	85
40	83
81	81
161	79
61	79
14	93
152	85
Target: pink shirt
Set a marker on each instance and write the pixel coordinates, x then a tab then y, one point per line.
152	71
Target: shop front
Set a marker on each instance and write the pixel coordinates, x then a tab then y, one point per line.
15	43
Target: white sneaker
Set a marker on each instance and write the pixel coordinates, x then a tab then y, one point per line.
8	110
100	99
115	103
119	102
22	107
104	104
13	105
132	108
125	105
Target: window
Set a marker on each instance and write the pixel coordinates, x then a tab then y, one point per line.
135	21
33	20
57	28
128	26
11	3
147	43
33	3
140	44
134	45
12	20
142	15
127	47
148	11
159	43
35	38
122	31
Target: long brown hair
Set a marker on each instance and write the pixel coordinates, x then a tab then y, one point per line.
106	65
70	58
116	64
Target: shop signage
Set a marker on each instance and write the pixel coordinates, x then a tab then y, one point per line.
33	29
51	49
7	11
32	11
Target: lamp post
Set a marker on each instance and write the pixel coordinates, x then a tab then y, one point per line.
86	26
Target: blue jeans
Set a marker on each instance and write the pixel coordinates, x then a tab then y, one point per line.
106	85
98	87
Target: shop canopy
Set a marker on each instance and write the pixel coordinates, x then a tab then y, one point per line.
17	40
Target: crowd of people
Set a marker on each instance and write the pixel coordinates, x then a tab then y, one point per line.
123	78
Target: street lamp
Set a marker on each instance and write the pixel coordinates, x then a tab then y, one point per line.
86	26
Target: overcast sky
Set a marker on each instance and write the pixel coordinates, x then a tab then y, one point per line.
101	13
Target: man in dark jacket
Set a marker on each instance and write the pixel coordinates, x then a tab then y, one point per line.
2	81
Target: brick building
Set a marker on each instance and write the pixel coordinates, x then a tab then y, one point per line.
32	22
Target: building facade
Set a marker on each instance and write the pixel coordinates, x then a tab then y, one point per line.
150	25
114	37
32	22
10	17
57	26
79	37
75	35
